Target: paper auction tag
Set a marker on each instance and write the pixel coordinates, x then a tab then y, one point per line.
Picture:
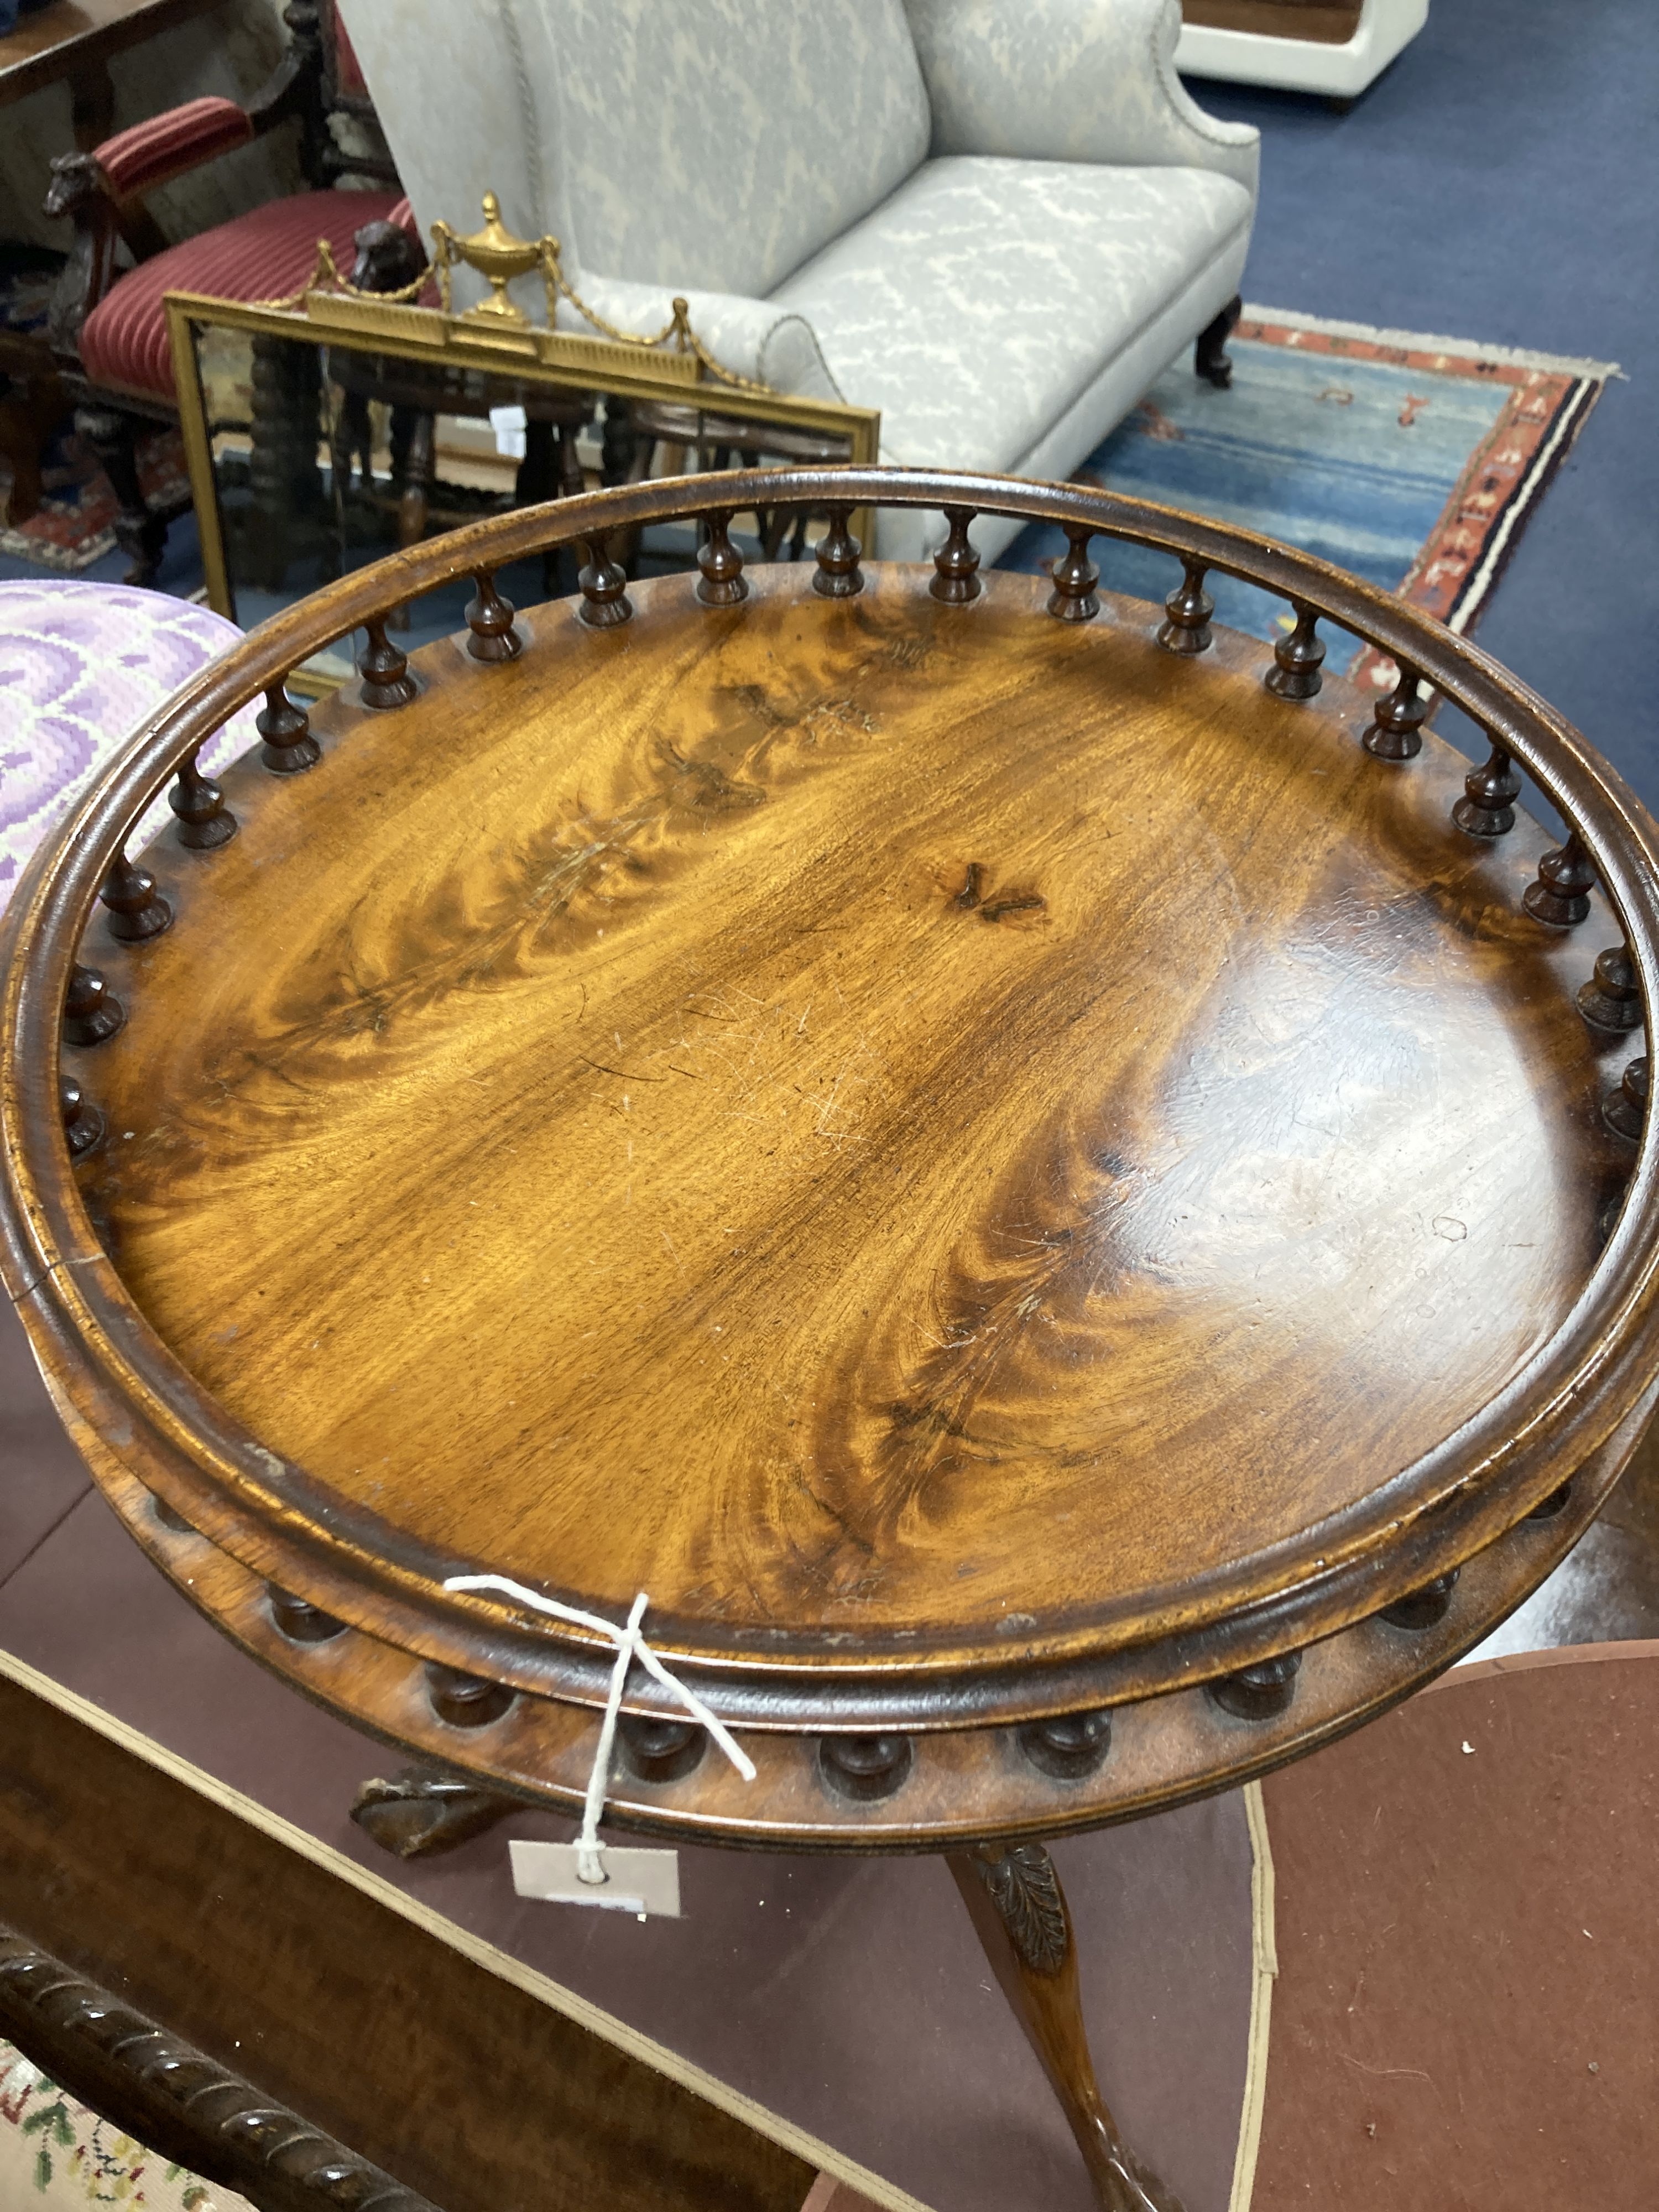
510	425
637	1879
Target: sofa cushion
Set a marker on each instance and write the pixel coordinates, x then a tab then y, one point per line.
264	255
719	142
707	145
984	298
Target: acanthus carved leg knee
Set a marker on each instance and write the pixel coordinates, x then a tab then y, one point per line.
1210	356
1019	1910
422	1812
140	534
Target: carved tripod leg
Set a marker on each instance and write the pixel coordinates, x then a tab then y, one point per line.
1018	1910
422	1812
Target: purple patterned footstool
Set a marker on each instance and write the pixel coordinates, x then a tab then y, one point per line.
81	666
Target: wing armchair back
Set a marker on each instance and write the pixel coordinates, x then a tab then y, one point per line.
998	220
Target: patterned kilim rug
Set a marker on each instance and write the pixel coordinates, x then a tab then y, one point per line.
1413	461
73	525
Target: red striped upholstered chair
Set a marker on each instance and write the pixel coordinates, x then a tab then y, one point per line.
107	330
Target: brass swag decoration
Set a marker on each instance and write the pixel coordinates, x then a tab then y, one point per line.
499	324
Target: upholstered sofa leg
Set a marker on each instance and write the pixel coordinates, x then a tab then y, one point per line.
1210	356
140	534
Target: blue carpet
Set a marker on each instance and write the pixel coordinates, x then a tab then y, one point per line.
1498	181
1350	456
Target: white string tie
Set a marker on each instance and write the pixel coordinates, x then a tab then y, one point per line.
630	1645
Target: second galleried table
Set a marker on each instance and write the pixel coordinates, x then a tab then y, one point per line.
1065	1201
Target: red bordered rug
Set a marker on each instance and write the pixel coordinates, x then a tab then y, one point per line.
1507	472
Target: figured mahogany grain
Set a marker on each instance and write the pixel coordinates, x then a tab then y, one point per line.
881	1123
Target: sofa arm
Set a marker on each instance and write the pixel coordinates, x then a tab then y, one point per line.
1070	81
752	337
136	161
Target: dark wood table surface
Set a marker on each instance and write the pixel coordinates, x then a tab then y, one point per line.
74	40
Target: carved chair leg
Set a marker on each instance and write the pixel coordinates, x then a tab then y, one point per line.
533	480
1210	357
571	481
31	409
624	458
1019	1910
417	483
355	443
284	483
421	1812
140	534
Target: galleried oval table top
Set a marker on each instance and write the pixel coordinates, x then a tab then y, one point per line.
1012	1175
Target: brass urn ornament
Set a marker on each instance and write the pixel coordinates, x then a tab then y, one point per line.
496	254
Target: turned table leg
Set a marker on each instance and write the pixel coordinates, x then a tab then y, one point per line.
1015	1901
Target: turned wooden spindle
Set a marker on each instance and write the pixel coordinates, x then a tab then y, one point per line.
1560	896
1612	1000
1189	608
83	1125
465	1701
91	1010
839	576
956	565
604	586
1625	1106
490	620
299	1622
722	583
1488	806
865	1767
385	670
1259	1691
1396	728
136	908
1424	1606
1070	1747
286	729
1298	657
661	1750
1074	576
205	820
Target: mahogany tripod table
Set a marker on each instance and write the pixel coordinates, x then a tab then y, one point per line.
1065	1202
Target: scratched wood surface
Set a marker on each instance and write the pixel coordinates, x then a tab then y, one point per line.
883	1125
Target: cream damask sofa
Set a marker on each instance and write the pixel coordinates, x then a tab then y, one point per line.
998	220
